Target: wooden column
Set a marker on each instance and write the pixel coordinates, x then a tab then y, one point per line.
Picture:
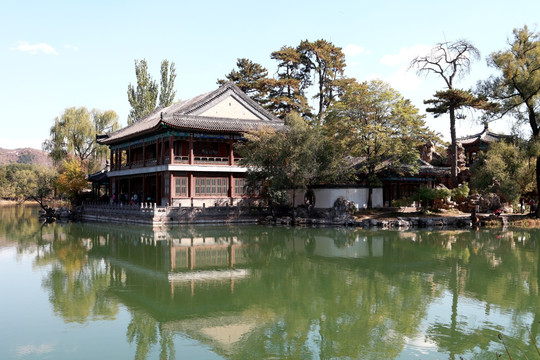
162	155
158	195
157	151
143	200
231	155
171	178
191	149
231	191
111	160
191	186
128	160
144	153
171	149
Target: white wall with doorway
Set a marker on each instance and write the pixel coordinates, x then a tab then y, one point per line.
325	198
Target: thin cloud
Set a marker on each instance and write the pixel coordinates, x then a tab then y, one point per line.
353	50
33	49
401	77
405	80
72	47
405	55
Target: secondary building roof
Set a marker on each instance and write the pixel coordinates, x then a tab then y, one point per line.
486	136
227	109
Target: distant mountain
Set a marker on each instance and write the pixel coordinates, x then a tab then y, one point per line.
24	156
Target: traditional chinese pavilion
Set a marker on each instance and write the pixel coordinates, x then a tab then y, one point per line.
183	155
474	144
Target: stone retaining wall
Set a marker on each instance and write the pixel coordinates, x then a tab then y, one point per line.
169	215
398	223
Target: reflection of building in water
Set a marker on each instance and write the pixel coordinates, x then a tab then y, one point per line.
161	250
219	285
355	247
189	280
200	253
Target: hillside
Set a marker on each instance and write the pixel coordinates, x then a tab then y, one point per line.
24	156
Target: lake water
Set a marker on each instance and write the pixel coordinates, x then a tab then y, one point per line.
104	291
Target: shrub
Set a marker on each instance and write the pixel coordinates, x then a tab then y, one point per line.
460	193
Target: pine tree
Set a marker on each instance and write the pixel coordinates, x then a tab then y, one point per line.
286	93
251	78
327	63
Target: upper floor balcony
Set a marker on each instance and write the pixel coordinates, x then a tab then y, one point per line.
180	152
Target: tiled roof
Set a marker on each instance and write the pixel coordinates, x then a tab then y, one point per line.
486	136
426	168
217	124
185	115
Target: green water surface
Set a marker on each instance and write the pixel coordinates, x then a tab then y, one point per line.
109	291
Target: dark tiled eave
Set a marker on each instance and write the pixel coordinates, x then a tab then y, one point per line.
200	123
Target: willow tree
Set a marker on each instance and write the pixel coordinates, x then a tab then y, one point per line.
517	88
376	125
450	61
73	134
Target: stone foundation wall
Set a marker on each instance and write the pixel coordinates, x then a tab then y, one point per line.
170	215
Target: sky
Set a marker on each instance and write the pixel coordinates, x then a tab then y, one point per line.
60	54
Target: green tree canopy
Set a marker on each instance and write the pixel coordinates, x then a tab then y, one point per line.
318	63
72	180
166	89
504	169
251	78
291	159
517	87
22	181
327	63
143	97
374	124
287	91
74	135
449	60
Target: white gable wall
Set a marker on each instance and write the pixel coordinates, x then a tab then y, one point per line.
325	198
229	108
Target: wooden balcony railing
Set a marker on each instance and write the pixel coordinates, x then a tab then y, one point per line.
151	162
137	164
181	159
211	160
177	159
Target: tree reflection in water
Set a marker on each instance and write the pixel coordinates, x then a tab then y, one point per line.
308	293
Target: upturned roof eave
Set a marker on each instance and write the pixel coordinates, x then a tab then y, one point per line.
131	136
164	125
